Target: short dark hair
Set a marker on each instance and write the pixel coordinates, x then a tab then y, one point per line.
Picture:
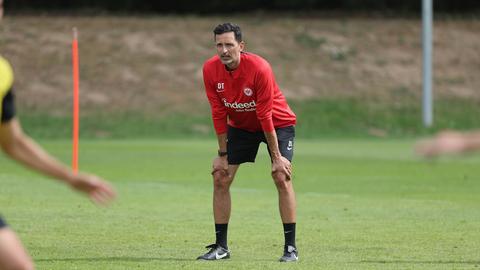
228	27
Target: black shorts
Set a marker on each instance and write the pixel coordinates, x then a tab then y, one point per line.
3	224
242	145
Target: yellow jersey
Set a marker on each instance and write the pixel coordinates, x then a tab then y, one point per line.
6	80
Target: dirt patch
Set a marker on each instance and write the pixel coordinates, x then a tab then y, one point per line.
153	64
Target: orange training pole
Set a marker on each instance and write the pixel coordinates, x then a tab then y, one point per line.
75	101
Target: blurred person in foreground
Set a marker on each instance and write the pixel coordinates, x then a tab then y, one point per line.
449	143
247	108
23	149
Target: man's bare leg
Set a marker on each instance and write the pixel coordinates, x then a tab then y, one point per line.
12	253
221	194
287	206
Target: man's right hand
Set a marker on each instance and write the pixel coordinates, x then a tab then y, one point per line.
220	164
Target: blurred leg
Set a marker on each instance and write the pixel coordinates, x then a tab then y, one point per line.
13	255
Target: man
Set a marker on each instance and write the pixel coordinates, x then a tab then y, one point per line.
21	148
247	109
449	142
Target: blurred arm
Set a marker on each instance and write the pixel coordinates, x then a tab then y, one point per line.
23	149
449	142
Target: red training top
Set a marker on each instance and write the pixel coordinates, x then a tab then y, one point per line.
249	95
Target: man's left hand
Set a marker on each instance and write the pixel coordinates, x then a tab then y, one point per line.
283	165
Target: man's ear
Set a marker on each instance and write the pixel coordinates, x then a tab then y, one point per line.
242	46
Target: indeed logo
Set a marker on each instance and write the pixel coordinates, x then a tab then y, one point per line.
236	105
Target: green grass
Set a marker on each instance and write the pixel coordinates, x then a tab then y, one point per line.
362	204
363	118
326	118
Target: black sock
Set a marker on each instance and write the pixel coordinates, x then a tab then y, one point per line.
289	231
221	235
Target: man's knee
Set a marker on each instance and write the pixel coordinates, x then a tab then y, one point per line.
281	181
221	180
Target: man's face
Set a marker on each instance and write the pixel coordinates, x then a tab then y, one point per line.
228	49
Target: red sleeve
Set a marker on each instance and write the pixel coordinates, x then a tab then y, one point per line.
219	112
265	85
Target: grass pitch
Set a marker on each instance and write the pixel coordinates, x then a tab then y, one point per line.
363	204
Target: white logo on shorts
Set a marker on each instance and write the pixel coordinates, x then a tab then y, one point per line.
290	145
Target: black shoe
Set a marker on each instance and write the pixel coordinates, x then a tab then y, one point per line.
290	254
216	252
